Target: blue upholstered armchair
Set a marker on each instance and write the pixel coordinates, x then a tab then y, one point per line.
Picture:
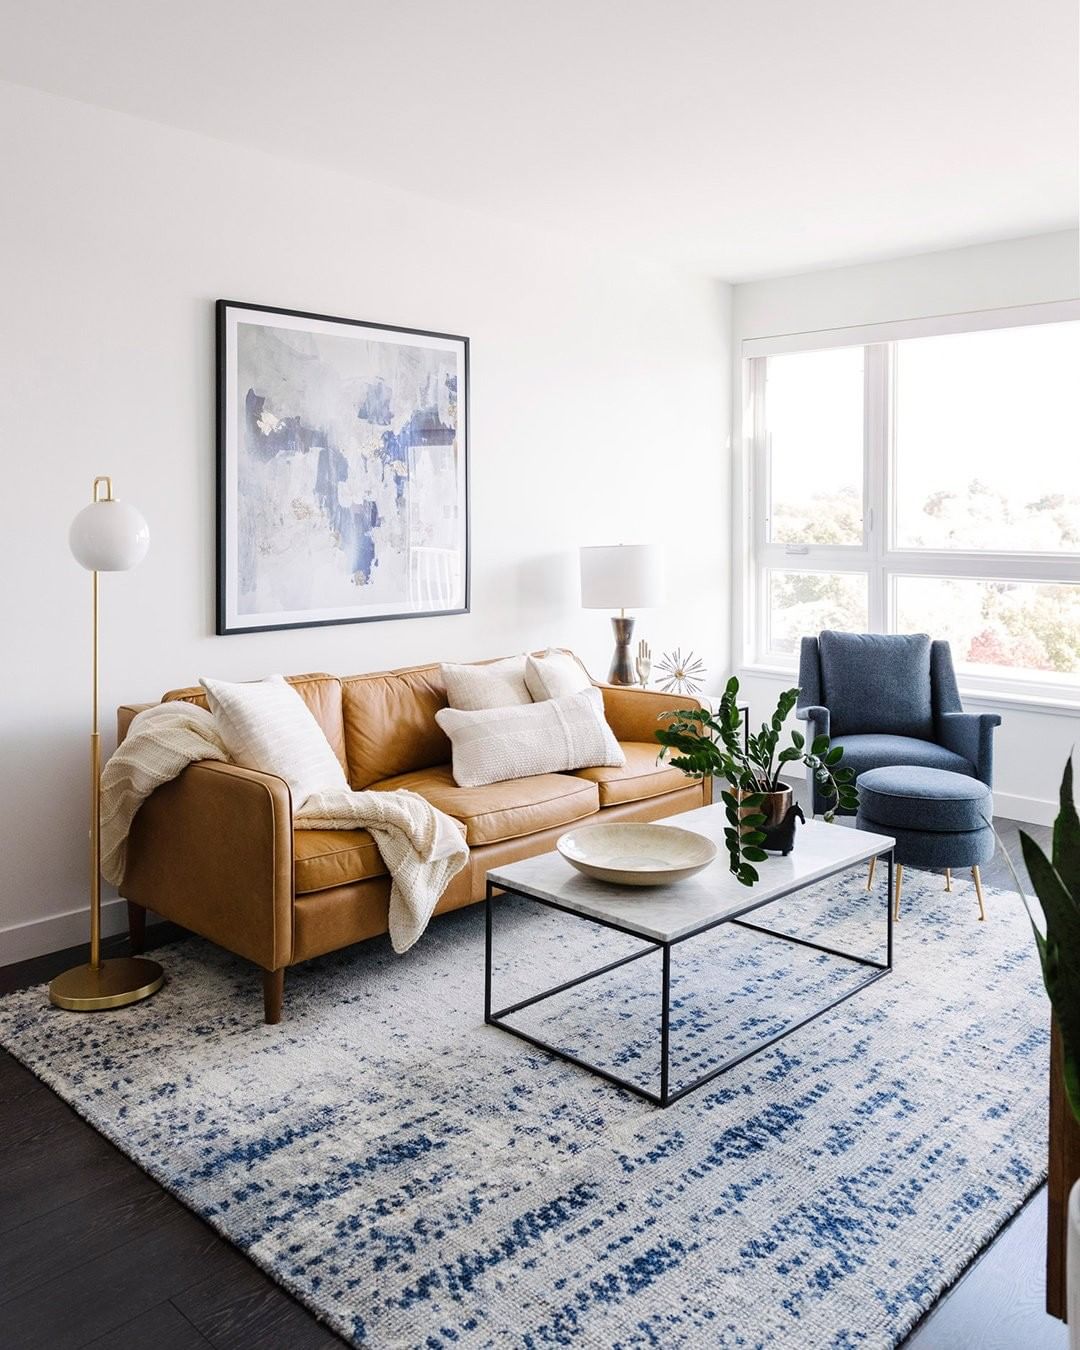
891	699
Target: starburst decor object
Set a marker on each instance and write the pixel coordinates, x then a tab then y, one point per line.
680	674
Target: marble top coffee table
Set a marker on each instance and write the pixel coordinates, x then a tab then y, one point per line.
665	916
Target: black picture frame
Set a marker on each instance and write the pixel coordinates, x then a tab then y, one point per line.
224	310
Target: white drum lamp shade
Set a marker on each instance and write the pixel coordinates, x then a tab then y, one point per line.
622	576
109	536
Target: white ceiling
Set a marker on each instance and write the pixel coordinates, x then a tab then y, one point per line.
735	137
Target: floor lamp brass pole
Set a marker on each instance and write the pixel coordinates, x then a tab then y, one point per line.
107	536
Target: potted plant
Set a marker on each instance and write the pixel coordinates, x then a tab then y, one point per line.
1057	885
759	807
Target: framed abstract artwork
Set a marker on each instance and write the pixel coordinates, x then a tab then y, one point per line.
343	470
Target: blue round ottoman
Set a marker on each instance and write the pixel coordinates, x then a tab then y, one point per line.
938	819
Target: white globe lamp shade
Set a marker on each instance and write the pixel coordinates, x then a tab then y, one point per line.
109	536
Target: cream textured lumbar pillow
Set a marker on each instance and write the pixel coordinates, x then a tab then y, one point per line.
554	736
266	725
554	675
496	684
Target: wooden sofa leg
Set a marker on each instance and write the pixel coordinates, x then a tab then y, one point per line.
136	928
273	995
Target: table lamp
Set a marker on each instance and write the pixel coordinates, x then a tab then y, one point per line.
622	577
106	536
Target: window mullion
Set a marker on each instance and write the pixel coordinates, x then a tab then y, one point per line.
877	460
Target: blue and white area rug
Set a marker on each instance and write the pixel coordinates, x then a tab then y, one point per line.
419	1179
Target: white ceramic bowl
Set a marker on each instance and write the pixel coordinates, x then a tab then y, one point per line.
634	854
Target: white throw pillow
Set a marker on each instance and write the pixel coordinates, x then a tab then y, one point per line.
554	736
555	675
497	684
266	725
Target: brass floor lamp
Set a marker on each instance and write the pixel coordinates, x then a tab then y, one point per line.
106	536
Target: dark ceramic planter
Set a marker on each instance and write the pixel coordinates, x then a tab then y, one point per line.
780	814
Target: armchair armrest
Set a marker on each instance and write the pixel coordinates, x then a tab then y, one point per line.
816	716
634	714
971	735
213	851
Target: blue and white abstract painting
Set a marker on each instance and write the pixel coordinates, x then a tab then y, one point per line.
342	463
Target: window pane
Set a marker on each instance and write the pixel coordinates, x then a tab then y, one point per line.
803	603
988	440
814	421
1016	627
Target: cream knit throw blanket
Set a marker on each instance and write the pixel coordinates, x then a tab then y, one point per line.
422	847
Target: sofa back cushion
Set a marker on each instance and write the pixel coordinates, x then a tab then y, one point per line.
877	682
321	693
390	725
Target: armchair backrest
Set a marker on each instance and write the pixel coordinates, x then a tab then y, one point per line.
875	682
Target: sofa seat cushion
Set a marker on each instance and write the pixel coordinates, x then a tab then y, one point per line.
925	799
640	777
326	858
876	752
505	810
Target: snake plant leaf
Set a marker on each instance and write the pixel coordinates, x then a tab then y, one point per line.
1059	951
1066	846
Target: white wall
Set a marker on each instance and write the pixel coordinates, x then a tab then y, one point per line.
594	381
1031	745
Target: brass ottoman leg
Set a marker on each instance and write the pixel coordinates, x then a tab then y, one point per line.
870	874
948	878
979	893
899	883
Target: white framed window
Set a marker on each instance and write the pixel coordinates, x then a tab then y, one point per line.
921	477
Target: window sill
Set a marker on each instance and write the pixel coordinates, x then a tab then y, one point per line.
982	698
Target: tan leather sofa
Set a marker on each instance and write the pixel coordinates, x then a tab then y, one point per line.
215	850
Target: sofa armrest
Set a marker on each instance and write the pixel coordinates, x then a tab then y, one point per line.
213	851
126	714
817	716
634	714
971	735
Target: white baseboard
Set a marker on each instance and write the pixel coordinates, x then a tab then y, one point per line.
38	937
1028	810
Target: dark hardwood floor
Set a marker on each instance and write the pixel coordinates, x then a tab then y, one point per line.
95	1254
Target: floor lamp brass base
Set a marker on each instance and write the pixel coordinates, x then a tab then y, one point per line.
113	984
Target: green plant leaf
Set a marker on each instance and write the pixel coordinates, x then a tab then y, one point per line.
1059	951
1066	847
754	854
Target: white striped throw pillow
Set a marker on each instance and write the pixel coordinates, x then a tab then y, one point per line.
494	684
266	725
555	736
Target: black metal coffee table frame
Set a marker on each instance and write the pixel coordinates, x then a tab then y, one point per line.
667	1095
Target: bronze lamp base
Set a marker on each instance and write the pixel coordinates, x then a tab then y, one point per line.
622	665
